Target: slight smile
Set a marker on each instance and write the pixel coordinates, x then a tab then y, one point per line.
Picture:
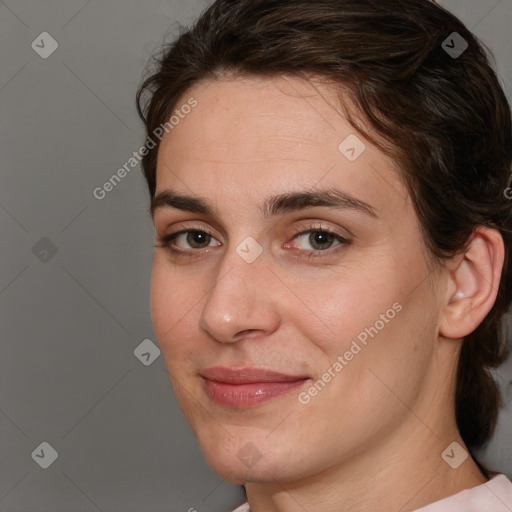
247	387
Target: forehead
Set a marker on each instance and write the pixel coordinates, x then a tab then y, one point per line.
251	136
279	112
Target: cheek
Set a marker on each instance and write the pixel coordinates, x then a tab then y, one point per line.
161	296
339	307
171	299
171	313
380	301
384	329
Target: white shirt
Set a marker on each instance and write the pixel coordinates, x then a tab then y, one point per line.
493	496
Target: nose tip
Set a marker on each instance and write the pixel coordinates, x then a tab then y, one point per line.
241	304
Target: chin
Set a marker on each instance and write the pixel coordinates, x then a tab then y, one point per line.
251	458
237	473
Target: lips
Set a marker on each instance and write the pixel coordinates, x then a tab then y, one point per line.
248	375
247	387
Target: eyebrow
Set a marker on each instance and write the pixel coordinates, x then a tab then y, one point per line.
272	206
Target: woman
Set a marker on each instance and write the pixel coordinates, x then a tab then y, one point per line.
328	186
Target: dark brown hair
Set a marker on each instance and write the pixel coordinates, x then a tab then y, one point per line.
444	118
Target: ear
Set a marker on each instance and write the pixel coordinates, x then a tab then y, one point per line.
473	283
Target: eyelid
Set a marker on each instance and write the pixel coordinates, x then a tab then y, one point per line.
184	226
318	226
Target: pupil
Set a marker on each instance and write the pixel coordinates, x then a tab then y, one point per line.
198	237
320	238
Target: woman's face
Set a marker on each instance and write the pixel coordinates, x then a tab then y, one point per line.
350	318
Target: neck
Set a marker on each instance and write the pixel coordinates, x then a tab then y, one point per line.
404	471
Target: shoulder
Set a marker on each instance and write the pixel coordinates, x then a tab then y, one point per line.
494	495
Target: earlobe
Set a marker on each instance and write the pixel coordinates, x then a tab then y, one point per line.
473	284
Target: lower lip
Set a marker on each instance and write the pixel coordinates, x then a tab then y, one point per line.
243	396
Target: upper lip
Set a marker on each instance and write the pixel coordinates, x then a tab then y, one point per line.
248	375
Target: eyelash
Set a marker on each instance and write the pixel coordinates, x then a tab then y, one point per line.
166	241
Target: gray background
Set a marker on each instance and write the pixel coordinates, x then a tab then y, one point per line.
71	319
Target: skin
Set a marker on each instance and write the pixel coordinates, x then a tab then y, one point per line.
373	436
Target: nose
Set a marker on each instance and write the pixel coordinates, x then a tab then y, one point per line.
243	299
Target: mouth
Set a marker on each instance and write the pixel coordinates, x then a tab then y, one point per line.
247	387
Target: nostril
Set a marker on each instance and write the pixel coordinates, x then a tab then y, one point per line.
246	334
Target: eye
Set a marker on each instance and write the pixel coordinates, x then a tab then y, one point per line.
320	239
194	237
